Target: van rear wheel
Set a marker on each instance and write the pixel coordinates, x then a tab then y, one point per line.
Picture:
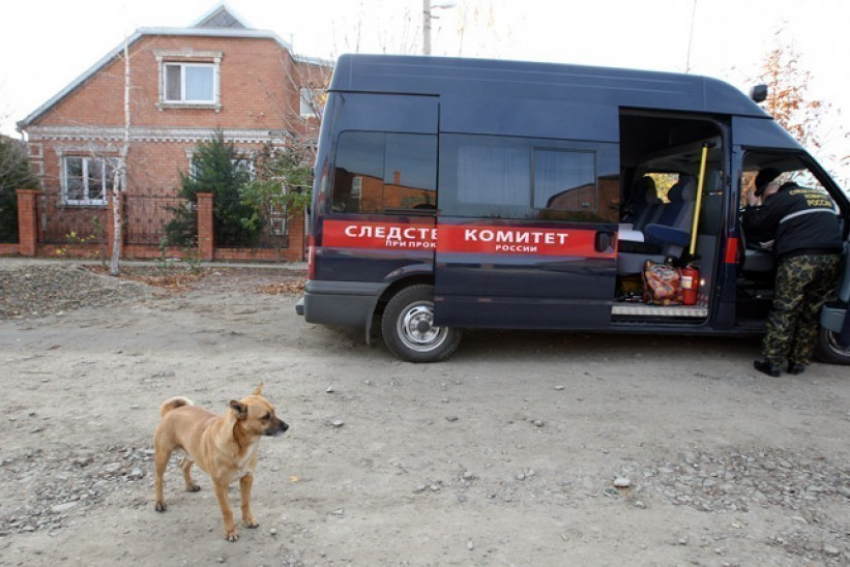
830	350
409	330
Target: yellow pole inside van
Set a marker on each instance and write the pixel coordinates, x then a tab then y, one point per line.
698	205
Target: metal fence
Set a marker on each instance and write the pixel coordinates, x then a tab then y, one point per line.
147	218
151	220
61	223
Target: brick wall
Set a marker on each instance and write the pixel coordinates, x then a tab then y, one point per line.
258	84
259	102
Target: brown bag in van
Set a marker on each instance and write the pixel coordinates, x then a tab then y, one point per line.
662	284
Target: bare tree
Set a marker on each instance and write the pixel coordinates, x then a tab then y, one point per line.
788	101
310	82
791	105
478	29
119	174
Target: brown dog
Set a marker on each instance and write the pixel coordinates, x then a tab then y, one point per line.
225	447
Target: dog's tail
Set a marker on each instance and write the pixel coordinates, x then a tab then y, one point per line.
173	403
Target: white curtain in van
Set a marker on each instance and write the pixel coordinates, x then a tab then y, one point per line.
494	176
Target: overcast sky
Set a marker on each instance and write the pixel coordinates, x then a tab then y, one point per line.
46	44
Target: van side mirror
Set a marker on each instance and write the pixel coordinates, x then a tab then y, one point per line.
758	93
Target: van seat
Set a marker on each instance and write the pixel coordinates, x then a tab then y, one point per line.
647	202
668	232
758	261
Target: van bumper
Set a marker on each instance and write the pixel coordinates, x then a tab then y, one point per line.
347	304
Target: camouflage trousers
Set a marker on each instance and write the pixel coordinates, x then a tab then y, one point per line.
803	284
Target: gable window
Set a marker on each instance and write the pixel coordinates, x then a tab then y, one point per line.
86	180
190	82
189	79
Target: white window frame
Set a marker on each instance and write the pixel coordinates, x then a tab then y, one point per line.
166	59
308	102
87	162
183	83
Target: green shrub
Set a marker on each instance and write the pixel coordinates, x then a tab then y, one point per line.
15	174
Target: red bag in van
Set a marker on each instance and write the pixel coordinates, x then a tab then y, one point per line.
662	284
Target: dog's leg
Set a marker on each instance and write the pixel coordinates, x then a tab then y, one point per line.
230	532
186	466
245	484
161	456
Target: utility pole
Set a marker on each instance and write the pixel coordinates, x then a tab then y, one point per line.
426	27
426	21
691	37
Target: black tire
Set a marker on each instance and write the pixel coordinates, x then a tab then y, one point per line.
407	326
829	350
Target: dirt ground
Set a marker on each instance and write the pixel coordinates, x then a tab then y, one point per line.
508	454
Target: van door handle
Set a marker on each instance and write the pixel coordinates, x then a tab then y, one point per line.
604	242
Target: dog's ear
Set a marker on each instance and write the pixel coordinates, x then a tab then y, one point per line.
240	409
259	390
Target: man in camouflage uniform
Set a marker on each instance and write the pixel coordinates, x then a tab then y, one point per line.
807	244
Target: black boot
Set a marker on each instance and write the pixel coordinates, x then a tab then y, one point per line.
767	367
796	367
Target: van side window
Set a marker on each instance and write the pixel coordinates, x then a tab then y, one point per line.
564	180
377	172
494	174
410	172
358	178
527	178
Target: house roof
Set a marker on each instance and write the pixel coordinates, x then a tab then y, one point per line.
220	21
222	15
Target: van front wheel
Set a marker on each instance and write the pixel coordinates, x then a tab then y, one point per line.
409	330
830	350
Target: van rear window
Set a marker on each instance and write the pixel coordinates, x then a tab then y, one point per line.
377	172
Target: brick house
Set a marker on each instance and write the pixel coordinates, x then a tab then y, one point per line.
186	84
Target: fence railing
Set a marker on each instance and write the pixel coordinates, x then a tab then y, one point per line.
49	225
8	217
60	223
147	218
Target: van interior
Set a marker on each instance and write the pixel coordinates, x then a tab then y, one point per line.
661	157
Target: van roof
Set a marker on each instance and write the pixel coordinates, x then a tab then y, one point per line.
625	88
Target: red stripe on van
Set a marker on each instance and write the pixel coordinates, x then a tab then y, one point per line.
732	251
379	235
463	239
483	239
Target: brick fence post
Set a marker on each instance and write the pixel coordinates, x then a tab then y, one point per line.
27	222
206	242
296	236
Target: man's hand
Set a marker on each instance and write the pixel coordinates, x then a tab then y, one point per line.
752	200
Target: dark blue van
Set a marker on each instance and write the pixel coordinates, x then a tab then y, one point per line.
458	193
